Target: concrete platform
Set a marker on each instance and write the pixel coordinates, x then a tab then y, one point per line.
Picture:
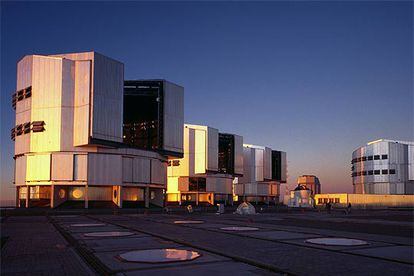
396	253
279	235
50	246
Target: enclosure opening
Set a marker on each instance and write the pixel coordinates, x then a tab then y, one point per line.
226	153
143	107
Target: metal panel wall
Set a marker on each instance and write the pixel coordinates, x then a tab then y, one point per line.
46	103
38	167
212	149
82	103
158	172
267	163
259	164
173	117
104	169
284	166
20	170
62	166
141	170
200	148
238	154
100	193
411	162
80	167
108	91
67	102
23	113
127	172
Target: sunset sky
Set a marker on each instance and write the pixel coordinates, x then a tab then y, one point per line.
314	79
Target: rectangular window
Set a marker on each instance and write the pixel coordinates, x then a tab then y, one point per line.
143	129
384	156
377	171
28	92
197	184
364	173
336	200
384	171
38	126
364	158
392	171
370	158
226	153
359	159
371	172
20	95
376	157
26	127
19	130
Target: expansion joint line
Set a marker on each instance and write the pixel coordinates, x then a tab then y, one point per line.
99	267
207	249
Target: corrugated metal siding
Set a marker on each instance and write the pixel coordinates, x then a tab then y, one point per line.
212	149
127	172
80	169
284	166
411	162
104	169
20	170
238	154
267	163
62	166
38	167
108	99
82	103
173	117
158	172
68	90
141	170
200	151
23	107
259	164
46	103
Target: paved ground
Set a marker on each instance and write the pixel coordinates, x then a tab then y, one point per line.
52	245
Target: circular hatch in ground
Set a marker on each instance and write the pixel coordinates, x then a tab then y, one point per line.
336	241
87	224
111	234
188	221
239	228
159	256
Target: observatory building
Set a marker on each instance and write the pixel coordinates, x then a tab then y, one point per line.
205	175
384	167
85	137
263	171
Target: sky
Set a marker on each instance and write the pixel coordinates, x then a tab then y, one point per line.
314	79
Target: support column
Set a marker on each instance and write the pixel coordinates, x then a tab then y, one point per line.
52	196
120	197
196	199
147	197
86	197
27	196
17	197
